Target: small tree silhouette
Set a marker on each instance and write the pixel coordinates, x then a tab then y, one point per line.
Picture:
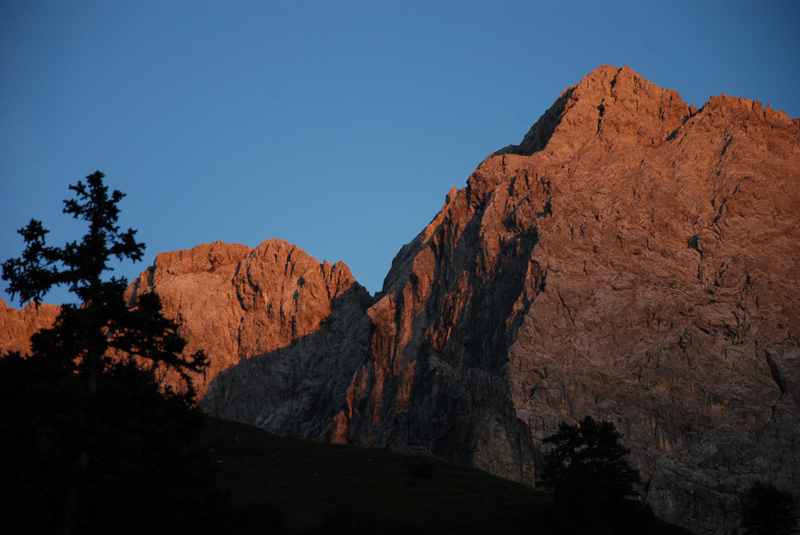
592	482
83	335
91	428
767	510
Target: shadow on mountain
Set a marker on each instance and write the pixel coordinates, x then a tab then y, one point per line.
542	130
297	390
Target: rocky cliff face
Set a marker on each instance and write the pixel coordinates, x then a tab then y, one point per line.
633	258
236	302
18	325
230	300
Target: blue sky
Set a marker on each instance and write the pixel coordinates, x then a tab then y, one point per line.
338	126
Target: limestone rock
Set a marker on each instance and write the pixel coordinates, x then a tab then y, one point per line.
18	325
235	302
230	300
634	259
299	388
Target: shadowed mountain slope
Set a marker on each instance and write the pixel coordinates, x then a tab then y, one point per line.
236	302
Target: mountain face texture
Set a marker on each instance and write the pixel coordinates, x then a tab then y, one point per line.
230	300
18	325
633	258
235	302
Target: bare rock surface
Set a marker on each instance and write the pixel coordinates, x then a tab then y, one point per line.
18	325
634	259
284	332
230	300
298	389
235	302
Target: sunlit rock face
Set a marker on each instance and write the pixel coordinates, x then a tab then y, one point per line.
236	302
230	300
305	317
633	258
18	325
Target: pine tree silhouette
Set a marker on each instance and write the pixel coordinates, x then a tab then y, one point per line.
84	335
594	486
92	427
767	510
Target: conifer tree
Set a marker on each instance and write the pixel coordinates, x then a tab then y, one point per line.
593	484
91	426
767	510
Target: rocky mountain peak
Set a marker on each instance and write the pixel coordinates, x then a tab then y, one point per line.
237	302
614	105
632	259
204	257
17	325
726	109
233	301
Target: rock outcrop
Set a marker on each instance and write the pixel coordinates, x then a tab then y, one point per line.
230	300
18	325
235	302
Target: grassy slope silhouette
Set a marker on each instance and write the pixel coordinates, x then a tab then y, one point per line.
299	486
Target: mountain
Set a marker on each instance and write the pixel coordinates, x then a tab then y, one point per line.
17	325
236	302
633	258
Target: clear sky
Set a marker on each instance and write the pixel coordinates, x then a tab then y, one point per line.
338	126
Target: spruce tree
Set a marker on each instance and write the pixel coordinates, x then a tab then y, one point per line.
594	486
767	510
92	426
102	327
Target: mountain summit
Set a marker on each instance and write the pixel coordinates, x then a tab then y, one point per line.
633	259
615	104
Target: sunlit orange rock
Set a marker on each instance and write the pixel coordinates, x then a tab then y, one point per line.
633	258
18	325
230	300
236	302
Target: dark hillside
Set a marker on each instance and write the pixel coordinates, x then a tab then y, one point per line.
308	487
